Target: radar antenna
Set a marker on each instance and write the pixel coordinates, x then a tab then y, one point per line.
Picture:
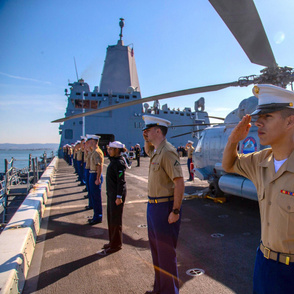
121	24
76	69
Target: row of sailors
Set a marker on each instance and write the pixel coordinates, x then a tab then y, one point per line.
87	159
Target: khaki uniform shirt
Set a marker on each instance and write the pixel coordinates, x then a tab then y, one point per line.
190	150
87	159
275	196
97	158
70	151
163	168
80	155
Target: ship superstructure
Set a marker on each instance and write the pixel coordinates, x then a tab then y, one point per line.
119	84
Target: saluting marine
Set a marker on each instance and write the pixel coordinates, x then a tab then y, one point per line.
272	172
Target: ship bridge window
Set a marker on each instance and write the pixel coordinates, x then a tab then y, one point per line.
177	112
78	103
105	95
134	96
188	114
94	104
68	134
80	122
99	95
86	103
165	112
172	112
93	95
182	114
114	96
86	94
77	93
121	96
127	97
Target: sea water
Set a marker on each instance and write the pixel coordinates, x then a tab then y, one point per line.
21	156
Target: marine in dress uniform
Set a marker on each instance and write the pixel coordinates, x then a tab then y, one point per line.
272	172
88	152
70	154
165	193
116	191
75	150
96	179
189	148
83	142
79	163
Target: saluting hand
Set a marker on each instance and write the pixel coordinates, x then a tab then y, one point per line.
241	131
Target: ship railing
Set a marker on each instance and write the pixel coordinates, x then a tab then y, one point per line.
2	190
23	178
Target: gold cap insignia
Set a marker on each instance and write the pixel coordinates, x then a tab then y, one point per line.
256	90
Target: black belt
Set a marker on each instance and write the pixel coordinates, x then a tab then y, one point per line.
160	199
276	256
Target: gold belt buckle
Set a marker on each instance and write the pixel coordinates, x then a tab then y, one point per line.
266	253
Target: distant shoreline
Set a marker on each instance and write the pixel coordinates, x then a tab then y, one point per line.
32	146
34	149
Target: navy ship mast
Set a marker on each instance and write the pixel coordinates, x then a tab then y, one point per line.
119	83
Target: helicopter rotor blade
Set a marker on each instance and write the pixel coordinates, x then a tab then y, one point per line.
186	133
152	98
243	20
193	125
216	117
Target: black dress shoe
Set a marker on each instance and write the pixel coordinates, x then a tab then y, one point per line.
94	222
105	246
86	196
88	207
81	184
85	190
112	250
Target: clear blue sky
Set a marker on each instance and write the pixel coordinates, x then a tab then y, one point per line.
177	45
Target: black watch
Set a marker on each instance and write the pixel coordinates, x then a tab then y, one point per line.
176	211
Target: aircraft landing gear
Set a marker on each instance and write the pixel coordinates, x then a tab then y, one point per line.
215	193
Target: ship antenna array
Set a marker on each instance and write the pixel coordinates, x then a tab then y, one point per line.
121	24
76	69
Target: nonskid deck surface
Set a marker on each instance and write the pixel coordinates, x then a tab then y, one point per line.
220	239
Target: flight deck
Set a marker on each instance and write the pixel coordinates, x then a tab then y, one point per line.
216	247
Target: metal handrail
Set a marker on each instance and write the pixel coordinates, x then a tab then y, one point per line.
13	177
